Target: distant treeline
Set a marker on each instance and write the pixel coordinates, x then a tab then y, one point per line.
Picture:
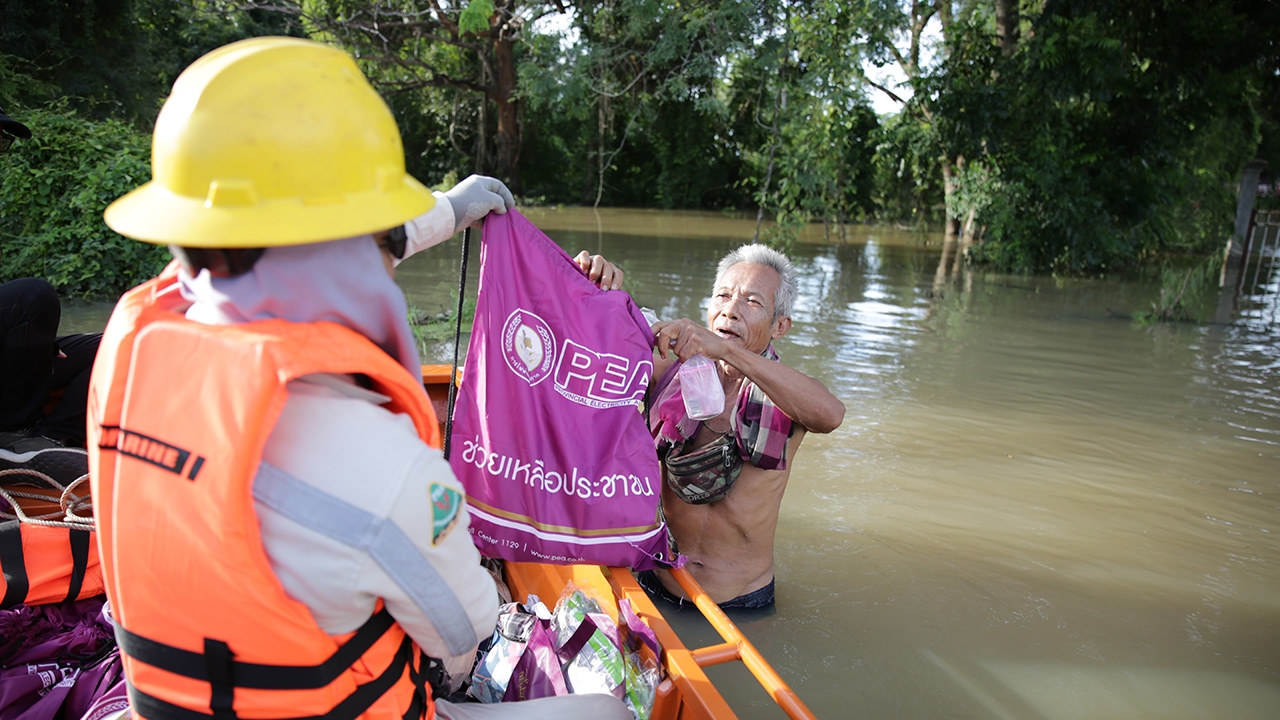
1046	135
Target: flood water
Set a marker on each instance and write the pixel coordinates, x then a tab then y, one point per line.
1035	508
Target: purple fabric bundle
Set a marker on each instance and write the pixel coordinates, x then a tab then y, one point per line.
57	661
548	438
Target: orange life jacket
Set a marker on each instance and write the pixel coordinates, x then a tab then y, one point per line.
179	415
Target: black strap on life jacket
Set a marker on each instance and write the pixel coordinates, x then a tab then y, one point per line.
13	561
198	665
355	704
216	666
430	673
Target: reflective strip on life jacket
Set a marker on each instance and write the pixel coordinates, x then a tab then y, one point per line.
381	539
44	564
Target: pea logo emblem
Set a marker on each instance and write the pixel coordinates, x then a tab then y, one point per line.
528	346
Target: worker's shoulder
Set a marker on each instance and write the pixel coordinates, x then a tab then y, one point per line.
343	442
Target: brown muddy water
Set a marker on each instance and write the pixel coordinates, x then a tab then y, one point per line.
1035	508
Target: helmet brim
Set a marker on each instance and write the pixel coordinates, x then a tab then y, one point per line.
153	214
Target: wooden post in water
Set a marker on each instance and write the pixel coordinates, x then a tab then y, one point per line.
1238	246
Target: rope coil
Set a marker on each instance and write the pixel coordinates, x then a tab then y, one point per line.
71	505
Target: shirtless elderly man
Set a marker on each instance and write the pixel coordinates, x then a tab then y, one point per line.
725	476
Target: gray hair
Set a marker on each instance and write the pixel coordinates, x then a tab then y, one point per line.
767	256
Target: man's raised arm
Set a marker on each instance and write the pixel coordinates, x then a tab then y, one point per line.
804	399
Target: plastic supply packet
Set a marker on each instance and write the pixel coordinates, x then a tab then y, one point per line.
700	386
578	649
593	661
537	674
515	626
570	611
643	677
589	646
642	653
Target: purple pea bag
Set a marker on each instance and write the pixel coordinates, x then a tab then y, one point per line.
548	437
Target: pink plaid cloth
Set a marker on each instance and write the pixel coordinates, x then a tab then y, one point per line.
759	427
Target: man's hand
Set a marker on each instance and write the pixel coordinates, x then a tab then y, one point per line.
476	197
685	338
603	273
804	399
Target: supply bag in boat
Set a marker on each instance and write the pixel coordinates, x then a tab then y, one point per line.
45	562
576	649
548	436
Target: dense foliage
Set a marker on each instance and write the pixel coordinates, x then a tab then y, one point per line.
1111	133
88	77
53	193
1050	135
114	58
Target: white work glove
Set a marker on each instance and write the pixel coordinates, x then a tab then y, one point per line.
476	197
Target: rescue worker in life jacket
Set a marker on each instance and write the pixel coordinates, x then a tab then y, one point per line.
281	536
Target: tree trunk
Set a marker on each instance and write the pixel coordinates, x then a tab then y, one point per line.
778	106
1007	25
503	94
945	15
949	169
963	247
482	139
603	118
966	234
944	263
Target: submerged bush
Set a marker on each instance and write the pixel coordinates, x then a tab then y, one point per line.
1183	292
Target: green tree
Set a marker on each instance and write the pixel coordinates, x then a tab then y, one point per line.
1109	131
87	49
411	46
637	102
115	58
88	78
821	132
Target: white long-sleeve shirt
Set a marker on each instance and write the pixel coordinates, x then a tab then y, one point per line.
431	228
335	437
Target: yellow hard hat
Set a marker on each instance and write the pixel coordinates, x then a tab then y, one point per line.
271	141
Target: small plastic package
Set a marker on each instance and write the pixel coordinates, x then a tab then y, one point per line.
701	388
589	646
517	626
641	652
